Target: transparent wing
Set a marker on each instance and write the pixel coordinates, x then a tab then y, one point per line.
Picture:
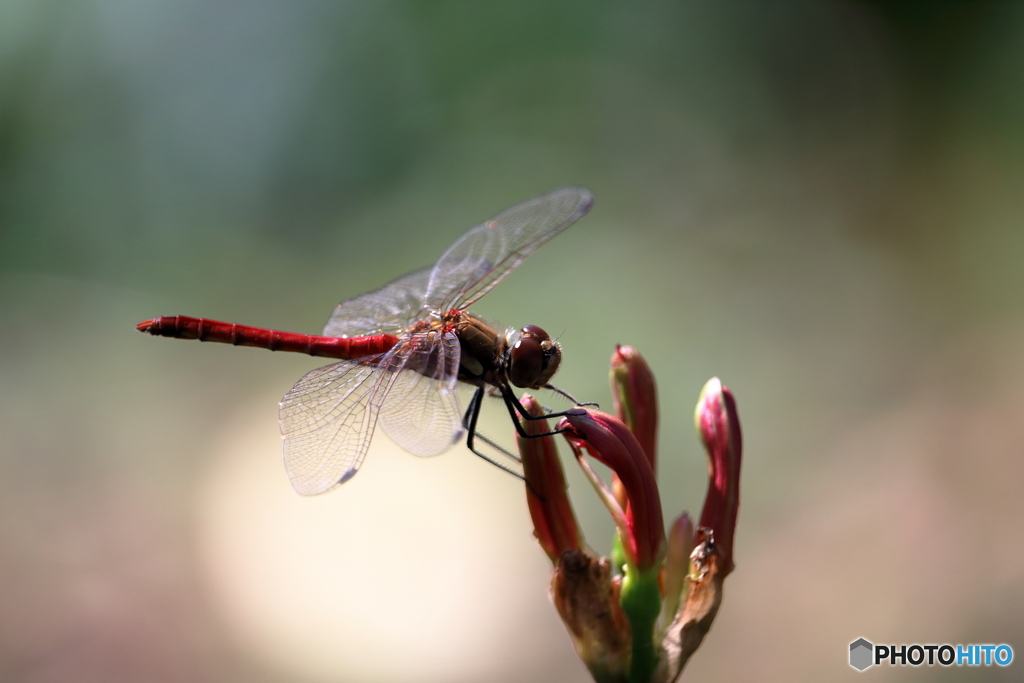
487	253
327	420
388	310
421	410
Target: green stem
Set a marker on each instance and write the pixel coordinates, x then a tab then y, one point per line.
618	553
641	601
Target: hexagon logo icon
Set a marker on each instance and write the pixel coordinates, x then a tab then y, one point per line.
861	654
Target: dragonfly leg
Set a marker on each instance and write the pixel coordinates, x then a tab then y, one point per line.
513	405
469	422
566	394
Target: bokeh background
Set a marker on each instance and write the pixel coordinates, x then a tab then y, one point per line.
821	203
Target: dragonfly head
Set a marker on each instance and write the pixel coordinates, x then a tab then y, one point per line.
532	357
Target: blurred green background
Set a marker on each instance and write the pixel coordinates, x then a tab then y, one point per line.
820	203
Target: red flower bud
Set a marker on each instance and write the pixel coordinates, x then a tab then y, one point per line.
554	523
635	395
608	440
718	425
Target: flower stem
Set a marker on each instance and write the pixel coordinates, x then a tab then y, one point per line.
641	601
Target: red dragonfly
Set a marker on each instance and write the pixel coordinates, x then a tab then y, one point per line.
404	348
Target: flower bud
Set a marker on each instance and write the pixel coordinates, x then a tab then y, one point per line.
718	426
609	441
635	395
554	523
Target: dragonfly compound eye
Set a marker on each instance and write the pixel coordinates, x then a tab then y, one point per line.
535	332
526	361
533	358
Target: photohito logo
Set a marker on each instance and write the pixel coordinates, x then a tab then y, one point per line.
863	655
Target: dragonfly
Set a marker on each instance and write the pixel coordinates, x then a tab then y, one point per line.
403	349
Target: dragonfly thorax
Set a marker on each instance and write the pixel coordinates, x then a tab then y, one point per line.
481	349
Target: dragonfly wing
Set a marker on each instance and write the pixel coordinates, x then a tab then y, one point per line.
487	253
421	411
327	420
388	310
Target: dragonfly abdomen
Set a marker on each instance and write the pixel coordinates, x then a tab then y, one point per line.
348	348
